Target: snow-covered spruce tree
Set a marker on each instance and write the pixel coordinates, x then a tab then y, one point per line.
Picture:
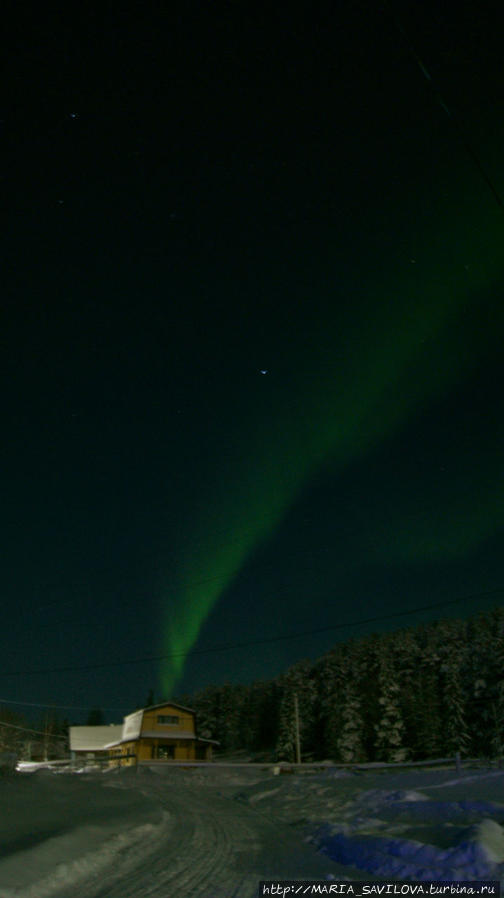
426	715
480	676
369	691
497	691
286	739
259	717
330	702
497	723
452	652
12	736
345	728
298	681
485	700
389	729
270	714
456	735
249	718
207	706
406	657
95	718
349	742
232	700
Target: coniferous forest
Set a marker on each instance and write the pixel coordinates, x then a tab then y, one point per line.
415	694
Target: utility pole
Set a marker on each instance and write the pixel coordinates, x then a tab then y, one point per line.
47	730
296	718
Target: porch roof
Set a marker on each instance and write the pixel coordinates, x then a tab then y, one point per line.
163	737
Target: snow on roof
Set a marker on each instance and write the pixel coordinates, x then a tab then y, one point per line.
93	738
163	737
176	734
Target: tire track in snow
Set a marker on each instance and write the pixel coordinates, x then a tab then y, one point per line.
210	846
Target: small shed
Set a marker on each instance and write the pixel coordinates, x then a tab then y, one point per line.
90	742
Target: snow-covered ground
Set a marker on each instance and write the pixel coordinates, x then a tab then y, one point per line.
216	831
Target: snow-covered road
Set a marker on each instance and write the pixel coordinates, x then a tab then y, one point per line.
217	832
215	846
142	834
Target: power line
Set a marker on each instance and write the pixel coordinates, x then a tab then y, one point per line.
252	642
51	706
26	730
278	591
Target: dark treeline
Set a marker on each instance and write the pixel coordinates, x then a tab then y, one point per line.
46	739
419	693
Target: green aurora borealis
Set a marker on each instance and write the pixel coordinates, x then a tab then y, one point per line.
412	338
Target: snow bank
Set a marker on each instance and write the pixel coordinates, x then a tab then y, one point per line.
90	853
59	830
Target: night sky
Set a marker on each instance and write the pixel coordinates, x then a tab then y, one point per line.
252	326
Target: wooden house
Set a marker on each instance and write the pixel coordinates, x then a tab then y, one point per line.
165	732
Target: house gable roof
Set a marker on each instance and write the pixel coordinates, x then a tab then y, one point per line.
165	705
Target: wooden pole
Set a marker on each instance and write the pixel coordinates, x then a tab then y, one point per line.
296	717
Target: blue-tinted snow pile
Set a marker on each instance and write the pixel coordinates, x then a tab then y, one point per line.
477	840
